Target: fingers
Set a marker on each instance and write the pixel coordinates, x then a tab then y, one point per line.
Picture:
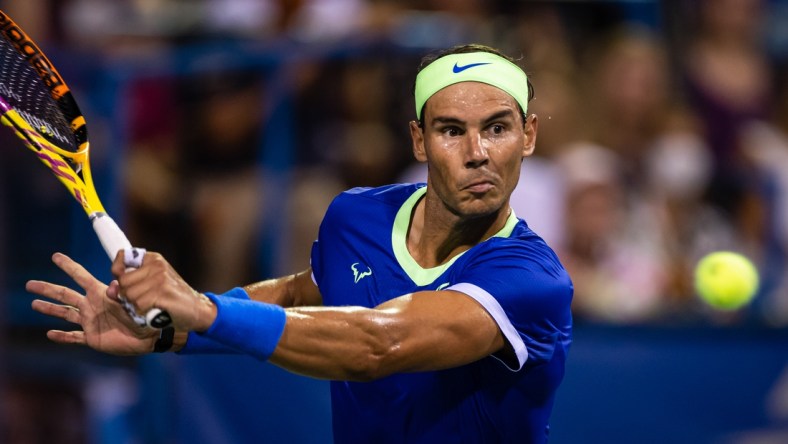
149	280
137	259
65	312
75	271
130	277
113	291
118	265
58	293
116	307
67	337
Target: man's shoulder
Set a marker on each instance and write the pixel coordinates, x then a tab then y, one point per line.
394	194
522	246
521	236
367	205
386	192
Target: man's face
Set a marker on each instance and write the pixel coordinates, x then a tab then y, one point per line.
473	141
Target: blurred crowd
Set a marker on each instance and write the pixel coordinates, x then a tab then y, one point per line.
663	131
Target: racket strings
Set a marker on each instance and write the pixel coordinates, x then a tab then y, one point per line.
25	91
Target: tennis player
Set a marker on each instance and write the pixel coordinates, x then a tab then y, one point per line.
437	314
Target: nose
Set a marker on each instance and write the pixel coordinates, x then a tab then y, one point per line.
476	152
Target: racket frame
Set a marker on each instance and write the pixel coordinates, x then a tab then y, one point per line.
67	165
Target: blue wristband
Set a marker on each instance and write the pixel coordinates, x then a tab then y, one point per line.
235	293
246	326
198	344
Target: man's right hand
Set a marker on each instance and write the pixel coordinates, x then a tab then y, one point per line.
105	325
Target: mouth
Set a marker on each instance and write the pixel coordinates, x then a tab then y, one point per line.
479	186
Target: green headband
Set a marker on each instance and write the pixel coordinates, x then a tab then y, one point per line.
484	67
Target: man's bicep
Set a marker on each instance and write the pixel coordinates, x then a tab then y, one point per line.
305	290
295	290
442	329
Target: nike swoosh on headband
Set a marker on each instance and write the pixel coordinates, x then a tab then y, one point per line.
458	69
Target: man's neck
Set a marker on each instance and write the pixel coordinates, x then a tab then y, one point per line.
436	235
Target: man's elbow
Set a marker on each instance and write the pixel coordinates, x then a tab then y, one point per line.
375	363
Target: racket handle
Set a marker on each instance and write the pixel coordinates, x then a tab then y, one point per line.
110	235
113	240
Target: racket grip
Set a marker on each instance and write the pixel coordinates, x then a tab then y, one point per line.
113	240
110	235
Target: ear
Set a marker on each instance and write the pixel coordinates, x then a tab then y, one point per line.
417	136
530	129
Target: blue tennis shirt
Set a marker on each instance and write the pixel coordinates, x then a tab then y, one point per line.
361	259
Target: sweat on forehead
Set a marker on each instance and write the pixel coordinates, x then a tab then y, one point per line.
481	67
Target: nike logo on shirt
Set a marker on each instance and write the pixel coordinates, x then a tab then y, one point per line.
458	69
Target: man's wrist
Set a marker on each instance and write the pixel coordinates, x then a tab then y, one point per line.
207	313
192	342
246	326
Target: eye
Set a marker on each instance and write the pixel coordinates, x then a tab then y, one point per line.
451	131
497	128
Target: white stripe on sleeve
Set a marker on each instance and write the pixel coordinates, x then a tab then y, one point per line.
499	315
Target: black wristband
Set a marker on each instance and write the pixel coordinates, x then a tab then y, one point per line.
164	343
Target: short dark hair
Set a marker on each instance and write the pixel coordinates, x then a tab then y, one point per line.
464	49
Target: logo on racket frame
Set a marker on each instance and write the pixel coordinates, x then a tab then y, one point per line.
48	154
33	54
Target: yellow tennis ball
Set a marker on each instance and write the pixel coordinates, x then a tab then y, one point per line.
726	280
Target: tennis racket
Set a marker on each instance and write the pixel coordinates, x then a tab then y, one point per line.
37	104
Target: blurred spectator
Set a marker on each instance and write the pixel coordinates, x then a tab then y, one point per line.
442	23
635	231
323	20
304	21
39	18
729	83
220	146
194	170
765	144
541	36
677	170
612	251
628	98
357	143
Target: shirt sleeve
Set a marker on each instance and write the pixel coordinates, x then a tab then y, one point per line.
527	292
330	226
